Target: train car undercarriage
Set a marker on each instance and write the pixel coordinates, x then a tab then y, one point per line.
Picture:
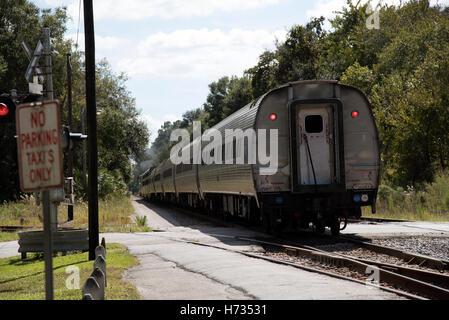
277	213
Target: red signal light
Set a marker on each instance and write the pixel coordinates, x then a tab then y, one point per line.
273	116
355	114
4	110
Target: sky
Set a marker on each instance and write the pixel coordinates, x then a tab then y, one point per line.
171	50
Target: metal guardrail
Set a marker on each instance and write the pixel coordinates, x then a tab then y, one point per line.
14	228
63	241
95	286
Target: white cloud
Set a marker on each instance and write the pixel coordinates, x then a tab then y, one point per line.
101	42
140	9
325	8
167	9
199	53
152	124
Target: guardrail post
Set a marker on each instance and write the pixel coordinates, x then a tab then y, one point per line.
100	251
100	263
91	289
99	276
95	286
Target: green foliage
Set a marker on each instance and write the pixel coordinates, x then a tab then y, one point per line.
111	184
161	145
142	223
430	203
358	76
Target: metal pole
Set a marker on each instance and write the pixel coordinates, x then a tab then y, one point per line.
91	127
70	152
46	204
83	131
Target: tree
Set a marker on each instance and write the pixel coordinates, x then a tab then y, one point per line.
121	135
263	75
23	21
239	95
162	144
298	56
214	105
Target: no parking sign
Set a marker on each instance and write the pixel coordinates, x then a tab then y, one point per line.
39	146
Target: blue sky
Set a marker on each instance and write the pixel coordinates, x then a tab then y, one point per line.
172	49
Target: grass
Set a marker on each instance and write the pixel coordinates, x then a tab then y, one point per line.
114	215
8	236
431	203
24	279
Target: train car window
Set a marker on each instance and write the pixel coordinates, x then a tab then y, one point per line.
314	124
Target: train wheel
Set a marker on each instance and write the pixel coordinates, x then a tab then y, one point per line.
266	222
320	227
335	227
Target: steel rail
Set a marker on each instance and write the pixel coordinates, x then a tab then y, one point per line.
410	258
405	278
401	281
375	219
423	275
310	269
292	264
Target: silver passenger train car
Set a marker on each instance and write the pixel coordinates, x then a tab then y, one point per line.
328	162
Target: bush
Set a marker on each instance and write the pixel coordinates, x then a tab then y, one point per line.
429	203
111	184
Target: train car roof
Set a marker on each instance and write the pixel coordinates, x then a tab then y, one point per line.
239	116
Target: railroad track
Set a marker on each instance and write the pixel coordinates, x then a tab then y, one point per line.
413	283
427	284
407	257
374	219
408	282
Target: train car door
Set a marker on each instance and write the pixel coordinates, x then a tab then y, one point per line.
314	143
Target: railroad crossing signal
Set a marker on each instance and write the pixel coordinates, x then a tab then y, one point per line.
7	110
33	67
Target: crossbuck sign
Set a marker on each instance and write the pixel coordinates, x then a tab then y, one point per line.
39	146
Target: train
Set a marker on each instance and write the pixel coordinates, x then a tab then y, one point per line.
327	168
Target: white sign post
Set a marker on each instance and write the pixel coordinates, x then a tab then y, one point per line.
39	146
